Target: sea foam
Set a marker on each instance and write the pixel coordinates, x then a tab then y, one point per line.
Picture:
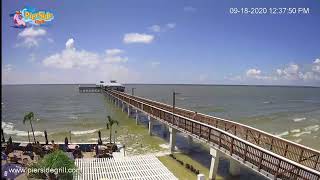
299	119
84	132
8	128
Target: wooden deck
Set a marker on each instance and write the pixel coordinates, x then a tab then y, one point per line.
146	167
267	154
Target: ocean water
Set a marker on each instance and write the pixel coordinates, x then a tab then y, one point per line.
290	112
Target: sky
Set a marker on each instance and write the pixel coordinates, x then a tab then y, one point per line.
163	42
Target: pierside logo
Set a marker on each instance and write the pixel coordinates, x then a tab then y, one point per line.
30	16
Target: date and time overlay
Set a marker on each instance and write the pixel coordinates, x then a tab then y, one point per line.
269	11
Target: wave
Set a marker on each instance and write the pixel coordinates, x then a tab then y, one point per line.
299	119
8	128
85	132
267	102
283	134
312	128
96	139
295	131
73	117
299	132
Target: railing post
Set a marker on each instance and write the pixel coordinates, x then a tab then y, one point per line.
286	150
220	136
260	160
231	148
278	168
245	153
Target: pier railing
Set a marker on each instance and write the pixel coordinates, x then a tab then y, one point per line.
89	89
268	153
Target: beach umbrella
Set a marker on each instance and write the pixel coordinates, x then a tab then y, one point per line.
28	136
10	140
46	137
66	142
2	136
97	150
99	140
11	171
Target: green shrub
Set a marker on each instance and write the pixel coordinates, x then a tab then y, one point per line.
59	164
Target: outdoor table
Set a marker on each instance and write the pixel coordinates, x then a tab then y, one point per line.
72	146
102	147
23	144
48	147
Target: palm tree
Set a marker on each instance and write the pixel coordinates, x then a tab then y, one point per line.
30	117
110	123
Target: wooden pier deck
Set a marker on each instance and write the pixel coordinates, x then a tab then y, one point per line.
269	155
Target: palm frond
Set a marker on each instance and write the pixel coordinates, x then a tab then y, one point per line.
28	117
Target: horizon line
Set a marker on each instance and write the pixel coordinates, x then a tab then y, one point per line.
261	85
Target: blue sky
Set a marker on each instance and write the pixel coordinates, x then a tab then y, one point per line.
163	42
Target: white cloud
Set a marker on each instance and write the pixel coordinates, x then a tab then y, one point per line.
112	52
171	25
50	40
70	43
253	72
137	38
256	74
72	58
30	37
291	72
116	59
316	65
32	32
155	28
155	64
114	56
189	9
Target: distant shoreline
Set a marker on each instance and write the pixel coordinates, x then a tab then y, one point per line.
246	85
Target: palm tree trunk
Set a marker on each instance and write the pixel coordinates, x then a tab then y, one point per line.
110	134
34	138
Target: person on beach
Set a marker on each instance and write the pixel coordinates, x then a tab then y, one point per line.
77	153
54	146
194	115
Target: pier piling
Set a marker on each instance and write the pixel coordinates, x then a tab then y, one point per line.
215	156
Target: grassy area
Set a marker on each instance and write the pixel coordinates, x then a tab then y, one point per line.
180	171
135	137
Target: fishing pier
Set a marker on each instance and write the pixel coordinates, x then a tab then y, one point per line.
267	154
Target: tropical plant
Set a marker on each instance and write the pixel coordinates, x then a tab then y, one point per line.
61	166
30	117
110	123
